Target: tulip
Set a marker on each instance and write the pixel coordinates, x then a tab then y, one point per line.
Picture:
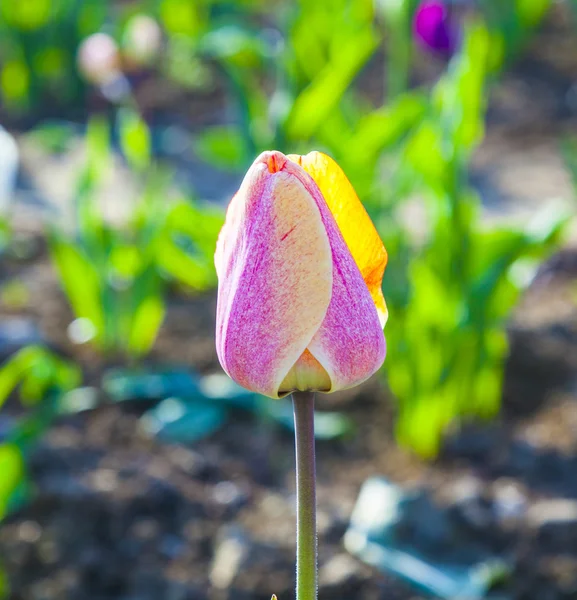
300	307
99	58
142	40
434	28
300	264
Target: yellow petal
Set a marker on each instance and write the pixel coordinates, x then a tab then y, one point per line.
307	374
352	219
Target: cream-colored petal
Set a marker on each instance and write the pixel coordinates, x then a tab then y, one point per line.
274	265
307	374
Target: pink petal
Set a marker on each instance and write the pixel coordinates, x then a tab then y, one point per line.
275	271
349	344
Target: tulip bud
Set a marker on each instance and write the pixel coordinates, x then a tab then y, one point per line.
434	29
300	265
142	40
98	59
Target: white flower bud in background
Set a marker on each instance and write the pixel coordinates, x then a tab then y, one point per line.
142	40
98	59
8	169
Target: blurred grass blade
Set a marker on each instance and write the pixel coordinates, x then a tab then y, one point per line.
98	146
316	101
14	369
80	282
37	370
384	127
532	12
221	146
196	273
146	322
134	139
12	469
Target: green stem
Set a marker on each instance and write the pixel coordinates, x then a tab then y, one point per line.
303	405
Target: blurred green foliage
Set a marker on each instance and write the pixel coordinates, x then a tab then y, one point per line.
42	379
290	72
13	469
451	291
38	42
308	51
511	26
35	370
115	275
301	89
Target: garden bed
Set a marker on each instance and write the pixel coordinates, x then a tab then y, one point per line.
118	515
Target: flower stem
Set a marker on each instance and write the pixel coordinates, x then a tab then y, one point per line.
303	406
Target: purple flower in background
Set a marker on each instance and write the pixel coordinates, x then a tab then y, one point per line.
434	29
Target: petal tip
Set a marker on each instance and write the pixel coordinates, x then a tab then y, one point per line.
273	159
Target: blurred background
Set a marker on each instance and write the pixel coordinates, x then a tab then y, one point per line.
131	467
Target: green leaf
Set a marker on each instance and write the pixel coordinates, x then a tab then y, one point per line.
98	146
54	137
193	266
27	16
38	378
189	270
531	12
222	146
4	584
13	370
38	370
201	223
427	155
421	425
12	468
487	386
134	139
145	324
384	127
183	17
15	82
235	44
396	12
317	100
496	252
126	260
460	95
79	281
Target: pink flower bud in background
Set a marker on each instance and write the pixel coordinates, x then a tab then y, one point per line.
98	59
142	40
